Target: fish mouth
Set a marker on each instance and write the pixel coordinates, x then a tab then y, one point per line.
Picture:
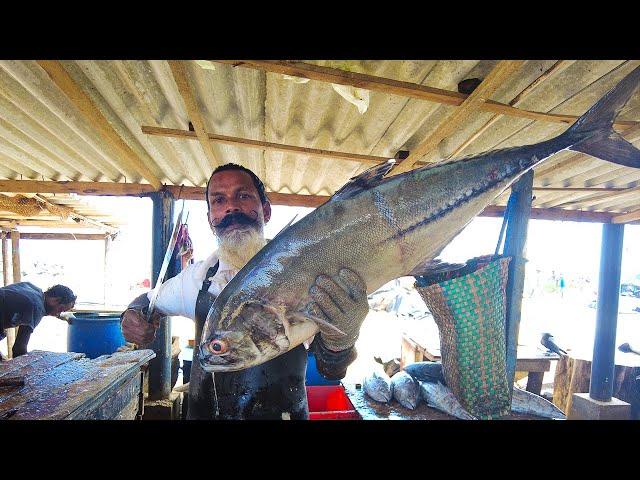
243	355
215	363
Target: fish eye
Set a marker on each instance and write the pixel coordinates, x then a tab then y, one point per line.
218	347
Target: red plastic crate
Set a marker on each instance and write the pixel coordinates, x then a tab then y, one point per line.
330	402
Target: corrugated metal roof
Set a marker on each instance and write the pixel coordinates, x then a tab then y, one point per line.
43	135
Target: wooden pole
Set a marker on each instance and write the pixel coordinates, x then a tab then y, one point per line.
503	70
126	157
62	236
9	332
15	254
5	260
558	66
604	348
107	247
268	146
396	87
515	243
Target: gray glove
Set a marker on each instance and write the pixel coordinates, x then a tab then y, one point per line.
341	301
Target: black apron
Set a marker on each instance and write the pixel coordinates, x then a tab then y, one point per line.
274	390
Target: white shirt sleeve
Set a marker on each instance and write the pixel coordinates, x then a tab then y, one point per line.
178	295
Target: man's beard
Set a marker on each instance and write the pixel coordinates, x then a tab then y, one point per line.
239	245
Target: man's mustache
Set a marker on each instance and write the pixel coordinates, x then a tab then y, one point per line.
237	218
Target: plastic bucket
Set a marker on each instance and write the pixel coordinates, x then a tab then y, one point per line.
330	402
94	333
313	377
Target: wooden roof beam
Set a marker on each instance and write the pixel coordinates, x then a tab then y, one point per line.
278	147
395	87
24	207
79	188
594	201
141	190
480	95
73	214
291	199
85	105
631	134
186	92
189	193
555	68
633	216
14	223
62	236
578	189
554	214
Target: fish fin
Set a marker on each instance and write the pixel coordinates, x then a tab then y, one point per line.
316	320
593	132
285	227
434	266
366	180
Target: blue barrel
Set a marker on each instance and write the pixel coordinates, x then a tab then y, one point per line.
94	333
313	377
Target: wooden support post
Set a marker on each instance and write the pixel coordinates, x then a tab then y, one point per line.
515	242
17	277
9	332
107	247
15	255
5	260
160	366
603	366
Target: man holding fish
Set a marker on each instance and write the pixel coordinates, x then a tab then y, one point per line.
238	209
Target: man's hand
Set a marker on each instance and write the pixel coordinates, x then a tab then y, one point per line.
136	329
342	301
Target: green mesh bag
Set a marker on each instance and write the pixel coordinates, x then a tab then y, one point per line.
469	308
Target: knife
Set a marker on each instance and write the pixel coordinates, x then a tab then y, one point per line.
165	263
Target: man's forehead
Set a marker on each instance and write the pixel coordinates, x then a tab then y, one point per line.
231	180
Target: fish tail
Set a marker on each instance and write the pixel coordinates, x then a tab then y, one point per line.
593	132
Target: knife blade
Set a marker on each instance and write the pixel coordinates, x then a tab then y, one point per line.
165	263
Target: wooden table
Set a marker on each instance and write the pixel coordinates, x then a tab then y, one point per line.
68	386
533	362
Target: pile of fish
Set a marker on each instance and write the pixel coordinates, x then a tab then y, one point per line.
425	381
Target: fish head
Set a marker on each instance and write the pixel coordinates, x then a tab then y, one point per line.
235	339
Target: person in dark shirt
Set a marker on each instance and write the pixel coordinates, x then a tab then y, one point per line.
23	305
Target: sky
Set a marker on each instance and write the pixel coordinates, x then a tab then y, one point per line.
568	248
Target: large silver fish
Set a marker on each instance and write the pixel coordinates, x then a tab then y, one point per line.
523	401
406	390
381	228
441	398
378	386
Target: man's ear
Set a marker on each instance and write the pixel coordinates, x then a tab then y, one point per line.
266	209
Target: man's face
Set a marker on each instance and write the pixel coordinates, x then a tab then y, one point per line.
55	308
234	203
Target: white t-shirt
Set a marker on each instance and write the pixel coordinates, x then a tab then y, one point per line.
177	296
